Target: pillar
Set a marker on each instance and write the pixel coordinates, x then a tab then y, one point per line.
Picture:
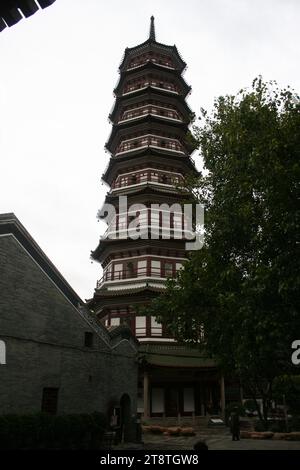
146	395
222	385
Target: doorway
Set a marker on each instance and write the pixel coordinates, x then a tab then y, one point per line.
125	404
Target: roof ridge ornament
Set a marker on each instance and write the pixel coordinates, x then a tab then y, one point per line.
152	29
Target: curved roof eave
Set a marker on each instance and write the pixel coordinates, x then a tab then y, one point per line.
130	50
149	90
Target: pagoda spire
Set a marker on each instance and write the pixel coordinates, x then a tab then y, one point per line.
152	29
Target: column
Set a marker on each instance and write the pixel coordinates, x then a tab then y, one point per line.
146	395
222	385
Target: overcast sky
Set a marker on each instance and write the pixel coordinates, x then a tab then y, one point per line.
58	70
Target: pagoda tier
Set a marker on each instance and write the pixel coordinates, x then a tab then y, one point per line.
150	146
129	106
143	158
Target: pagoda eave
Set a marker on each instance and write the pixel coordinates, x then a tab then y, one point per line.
134	295
147	118
152	45
150	93
149	66
184	165
148	124
158	195
107	246
165	157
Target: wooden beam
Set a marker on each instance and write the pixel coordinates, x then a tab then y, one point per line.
27	7
12	16
3	25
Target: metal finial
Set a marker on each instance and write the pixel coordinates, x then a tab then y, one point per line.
152	29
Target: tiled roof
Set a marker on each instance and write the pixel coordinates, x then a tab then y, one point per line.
175	355
12	11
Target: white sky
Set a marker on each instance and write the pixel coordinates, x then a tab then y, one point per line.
58	70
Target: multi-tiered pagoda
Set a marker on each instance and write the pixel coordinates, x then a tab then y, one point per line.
150	151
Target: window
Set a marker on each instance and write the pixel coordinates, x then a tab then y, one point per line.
143	218
156	328
118	271
177	221
114	321
129	270
107	273
50	400
155	268
157	400
140	326
188	400
155	218
2	352
126	321
168	269
122	222
88	339
142	268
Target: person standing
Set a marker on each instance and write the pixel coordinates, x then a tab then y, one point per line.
235	426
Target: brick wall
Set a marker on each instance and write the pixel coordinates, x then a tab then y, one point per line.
44	337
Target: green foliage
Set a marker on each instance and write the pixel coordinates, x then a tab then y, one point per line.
288	386
294	424
260	426
43	431
238	296
250	406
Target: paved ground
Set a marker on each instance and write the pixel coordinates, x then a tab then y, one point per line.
216	439
219	441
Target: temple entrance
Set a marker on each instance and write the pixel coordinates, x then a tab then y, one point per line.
199	393
172	401
125	415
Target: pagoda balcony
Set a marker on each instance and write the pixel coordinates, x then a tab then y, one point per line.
150	110
108	164
152	141
165	86
147	175
161	62
119	187
145	231
128	274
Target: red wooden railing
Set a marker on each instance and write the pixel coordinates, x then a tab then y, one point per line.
135	273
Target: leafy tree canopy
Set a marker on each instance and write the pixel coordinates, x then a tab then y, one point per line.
238	296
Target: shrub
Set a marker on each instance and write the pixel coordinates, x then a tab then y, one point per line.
295	424
259	426
250	406
277	426
43	431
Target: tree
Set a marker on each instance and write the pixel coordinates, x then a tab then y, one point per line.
238	296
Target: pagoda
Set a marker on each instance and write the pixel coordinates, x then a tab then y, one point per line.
151	146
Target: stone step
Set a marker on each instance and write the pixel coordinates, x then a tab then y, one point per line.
178	421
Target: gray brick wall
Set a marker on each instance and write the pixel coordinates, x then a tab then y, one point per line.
44	336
